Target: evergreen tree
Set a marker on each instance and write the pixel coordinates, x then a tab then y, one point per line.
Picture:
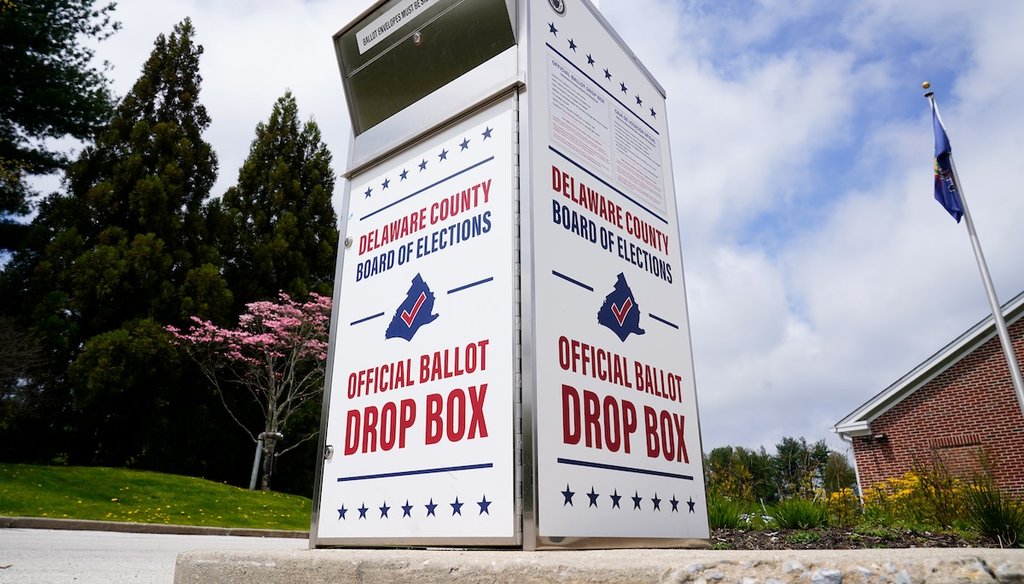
741	474
281	231
48	89
127	248
279	234
800	466
838	473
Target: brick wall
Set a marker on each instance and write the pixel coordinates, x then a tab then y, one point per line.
966	414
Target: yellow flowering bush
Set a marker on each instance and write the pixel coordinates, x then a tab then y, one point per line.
842	507
929	496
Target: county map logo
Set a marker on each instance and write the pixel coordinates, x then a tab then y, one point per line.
414	312
620	312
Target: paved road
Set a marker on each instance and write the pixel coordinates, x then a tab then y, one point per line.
44	556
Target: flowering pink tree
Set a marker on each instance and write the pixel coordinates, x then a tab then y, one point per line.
278	353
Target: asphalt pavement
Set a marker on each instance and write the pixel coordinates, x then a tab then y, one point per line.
76	556
36	550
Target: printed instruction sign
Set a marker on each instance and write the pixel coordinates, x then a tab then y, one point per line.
422	386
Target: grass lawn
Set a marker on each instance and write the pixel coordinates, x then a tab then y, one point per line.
113	494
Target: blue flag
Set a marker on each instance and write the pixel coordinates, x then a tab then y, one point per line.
947	192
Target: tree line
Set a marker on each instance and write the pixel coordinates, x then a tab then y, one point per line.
134	241
796	470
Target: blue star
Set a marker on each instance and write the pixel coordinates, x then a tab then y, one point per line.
590	60
342	512
368	192
654	114
362	511
404	174
487	133
607	74
430	508
615	500
657	502
456	507
384	510
623	87
485	506
690	504
443	155
675	504
636	500
552	29
464	144
423	165
639	101
407	509
568	495
593	497
385	184
572	45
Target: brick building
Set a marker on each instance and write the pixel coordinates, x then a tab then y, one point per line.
959	408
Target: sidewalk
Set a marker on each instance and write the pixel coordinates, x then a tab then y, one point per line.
90	525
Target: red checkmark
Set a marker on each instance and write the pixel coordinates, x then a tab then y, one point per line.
620	313
410	316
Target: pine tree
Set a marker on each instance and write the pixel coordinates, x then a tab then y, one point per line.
279	234
49	88
141	190
282	231
124	252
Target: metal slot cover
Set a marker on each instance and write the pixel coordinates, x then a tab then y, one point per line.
406	49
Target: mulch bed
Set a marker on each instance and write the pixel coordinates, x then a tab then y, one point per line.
834	539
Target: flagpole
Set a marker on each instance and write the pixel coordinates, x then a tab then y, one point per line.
986	278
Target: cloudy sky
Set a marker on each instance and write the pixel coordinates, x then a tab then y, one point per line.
819	269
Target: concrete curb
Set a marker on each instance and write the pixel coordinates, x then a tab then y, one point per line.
91	525
899	566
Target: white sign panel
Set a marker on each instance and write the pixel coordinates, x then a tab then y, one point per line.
420	419
618	444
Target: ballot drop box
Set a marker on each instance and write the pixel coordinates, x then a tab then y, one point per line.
510	360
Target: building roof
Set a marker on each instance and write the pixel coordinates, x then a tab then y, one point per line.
858	422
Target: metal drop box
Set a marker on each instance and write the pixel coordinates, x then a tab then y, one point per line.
510	361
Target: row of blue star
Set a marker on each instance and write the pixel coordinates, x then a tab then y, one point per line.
638	501
442	156
408	509
607	74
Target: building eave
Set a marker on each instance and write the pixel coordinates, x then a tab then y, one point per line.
858	422
853	429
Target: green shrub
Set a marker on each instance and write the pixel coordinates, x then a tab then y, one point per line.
723	513
800	514
941	493
843	508
803	537
995	515
756	519
927	497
